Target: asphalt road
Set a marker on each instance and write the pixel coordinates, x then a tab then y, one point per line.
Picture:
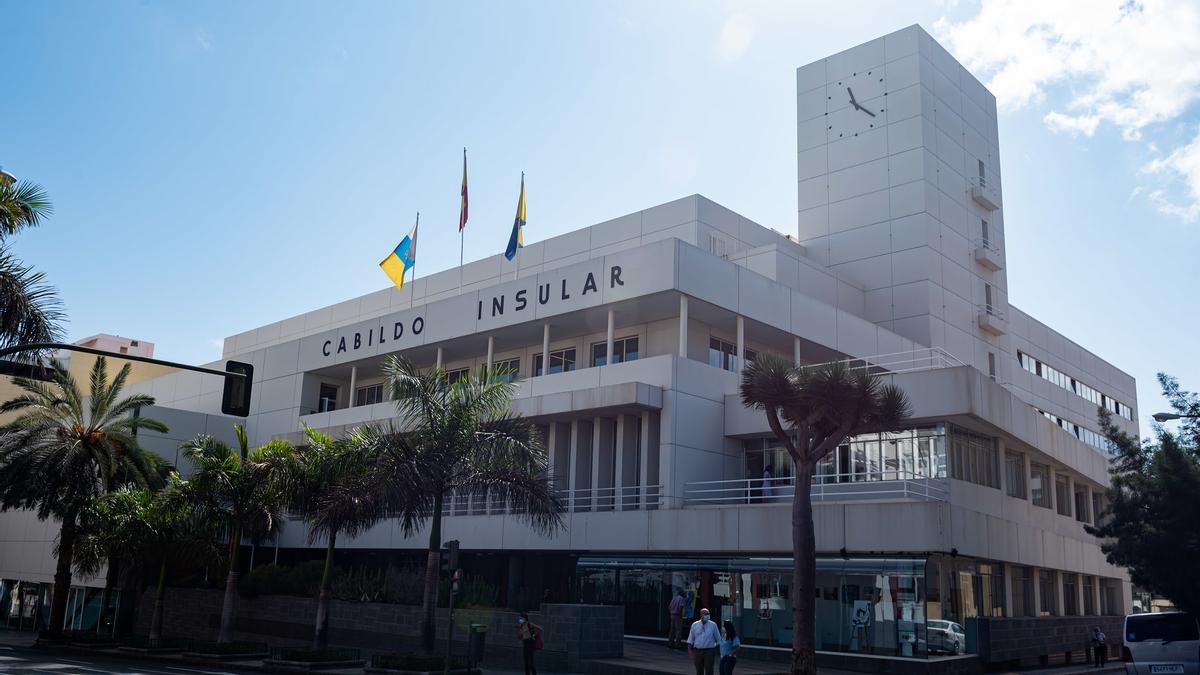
27	662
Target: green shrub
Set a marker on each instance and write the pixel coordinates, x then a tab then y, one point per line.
303	580
409	661
476	592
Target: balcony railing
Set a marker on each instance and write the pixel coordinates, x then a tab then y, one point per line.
579	500
985	194
913	361
988	254
992	319
889	485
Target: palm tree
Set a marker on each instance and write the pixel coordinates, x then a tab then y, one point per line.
241	491
61	452
147	528
30	310
454	438
821	406
310	478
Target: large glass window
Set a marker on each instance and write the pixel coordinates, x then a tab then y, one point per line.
1082	505
1047	592
507	370
1039	484
624	349
327	398
457	374
1062	494
899	455
1089	595
973	457
1069	383
561	361
368	395
723	355
1014	474
1022	596
1070	583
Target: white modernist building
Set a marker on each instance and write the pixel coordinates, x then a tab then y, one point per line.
628	337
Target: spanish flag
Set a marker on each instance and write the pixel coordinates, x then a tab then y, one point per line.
516	240
403	258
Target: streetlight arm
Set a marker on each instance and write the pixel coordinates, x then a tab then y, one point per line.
43	346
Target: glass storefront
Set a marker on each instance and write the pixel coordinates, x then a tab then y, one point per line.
864	605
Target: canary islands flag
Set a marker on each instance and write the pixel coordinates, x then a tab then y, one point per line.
404	257
516	240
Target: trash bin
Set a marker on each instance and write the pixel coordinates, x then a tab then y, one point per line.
477	636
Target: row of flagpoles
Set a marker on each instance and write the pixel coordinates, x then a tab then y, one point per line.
404	257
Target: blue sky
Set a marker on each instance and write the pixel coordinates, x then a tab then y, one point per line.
216	166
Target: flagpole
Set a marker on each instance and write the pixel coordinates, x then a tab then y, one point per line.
462	229
412	294
520	235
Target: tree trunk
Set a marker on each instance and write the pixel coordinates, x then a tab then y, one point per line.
110	582
228	607
160	595
804	575
321	639
62	576
432	569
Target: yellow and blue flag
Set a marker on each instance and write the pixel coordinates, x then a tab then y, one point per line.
516	240
403	258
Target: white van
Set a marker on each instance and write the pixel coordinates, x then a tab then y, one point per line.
1157	644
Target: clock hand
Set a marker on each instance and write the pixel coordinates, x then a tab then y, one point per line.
852	101
866	111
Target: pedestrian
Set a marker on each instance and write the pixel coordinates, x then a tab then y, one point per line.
528	634
729	648
767	482
1099	647
675	612
703	641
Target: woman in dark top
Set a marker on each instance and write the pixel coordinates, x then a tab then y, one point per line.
527	634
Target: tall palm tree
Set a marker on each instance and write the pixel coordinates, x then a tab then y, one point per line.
310	479
30	310
454	438
241	491
62	451
147	529
812	410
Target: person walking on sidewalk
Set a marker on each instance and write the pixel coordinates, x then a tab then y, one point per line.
675	629
1099	647
528	634
704	638
729	648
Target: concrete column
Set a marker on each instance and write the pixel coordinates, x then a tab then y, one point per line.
619	463
1079	594
1002	467
683	325
643	443
438	363
1096	594
796	350
491	350
353	384
545	349
597	496
573	457
1008	591
741	343
1071	496
608	343
1062	596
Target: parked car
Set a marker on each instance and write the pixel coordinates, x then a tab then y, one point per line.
1161	644
945	636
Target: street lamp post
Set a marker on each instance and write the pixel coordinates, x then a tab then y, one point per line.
1167	417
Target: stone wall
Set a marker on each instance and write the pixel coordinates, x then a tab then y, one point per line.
571	632
1047	639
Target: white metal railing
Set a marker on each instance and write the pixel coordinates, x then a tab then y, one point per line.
987	244
625	498
916	360
992	309
886	485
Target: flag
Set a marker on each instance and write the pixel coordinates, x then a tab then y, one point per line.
516	240
462	210
403	258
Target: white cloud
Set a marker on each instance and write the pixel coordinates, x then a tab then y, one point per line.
1183	166
202	38
736	35
1132	64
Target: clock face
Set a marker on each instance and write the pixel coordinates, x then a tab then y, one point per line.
856	104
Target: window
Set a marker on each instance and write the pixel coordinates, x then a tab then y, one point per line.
973	457
1048	592
1164	628
1082	512
1070	594
1082	433
987	298
124	350
981	177
507	370
1089	595
1039	489
1066	382
624	349
457	374
992	365
723	355
984	232
368	395
561	361
1022	596
1014	474
1097	507
1062	495
327	398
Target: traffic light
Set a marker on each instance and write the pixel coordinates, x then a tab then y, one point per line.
450	559
455	580
235	399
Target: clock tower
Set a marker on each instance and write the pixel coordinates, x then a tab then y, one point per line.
899	191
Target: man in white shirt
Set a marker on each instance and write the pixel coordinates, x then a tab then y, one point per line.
703	641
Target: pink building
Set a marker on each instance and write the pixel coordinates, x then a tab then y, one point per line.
118	345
